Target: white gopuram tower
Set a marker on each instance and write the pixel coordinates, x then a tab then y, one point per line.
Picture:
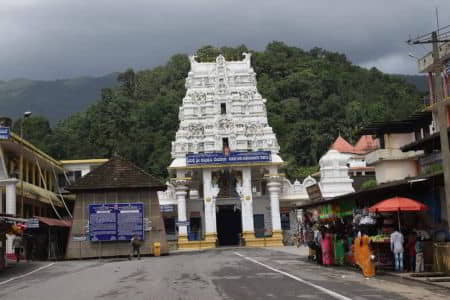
225	178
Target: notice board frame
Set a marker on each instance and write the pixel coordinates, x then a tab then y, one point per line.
109	230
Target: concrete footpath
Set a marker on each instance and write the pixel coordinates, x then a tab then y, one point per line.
433	279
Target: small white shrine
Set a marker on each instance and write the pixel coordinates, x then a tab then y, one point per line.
226	188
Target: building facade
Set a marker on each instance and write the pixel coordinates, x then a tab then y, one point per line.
31	182
226	185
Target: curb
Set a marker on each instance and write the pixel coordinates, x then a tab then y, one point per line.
382	273
410	278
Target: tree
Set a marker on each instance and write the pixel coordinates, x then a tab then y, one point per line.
312	97
127	82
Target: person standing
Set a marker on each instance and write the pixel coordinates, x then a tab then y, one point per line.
327	250
18	246
397	249
318	244
411	248
419	255
29	245
135	244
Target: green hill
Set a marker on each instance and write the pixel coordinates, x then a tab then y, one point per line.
420	81
56	100
312	96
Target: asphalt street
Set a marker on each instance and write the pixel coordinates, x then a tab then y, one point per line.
216	274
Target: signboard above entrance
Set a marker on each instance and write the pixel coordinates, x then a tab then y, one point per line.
231	158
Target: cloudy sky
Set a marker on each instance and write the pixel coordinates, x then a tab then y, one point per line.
50	39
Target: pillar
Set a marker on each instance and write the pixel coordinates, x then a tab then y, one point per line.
181	187
248	229
210	211
44	181
33	174
27	170
274	188
10	207
11	196
431	87
441	112
180	193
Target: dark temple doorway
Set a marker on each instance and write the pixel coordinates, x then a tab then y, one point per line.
228	225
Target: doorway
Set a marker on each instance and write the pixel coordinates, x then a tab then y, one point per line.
229	226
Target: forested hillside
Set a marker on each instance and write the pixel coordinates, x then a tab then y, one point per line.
420	81
56	99
312	96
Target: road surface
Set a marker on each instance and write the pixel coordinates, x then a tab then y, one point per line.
216	274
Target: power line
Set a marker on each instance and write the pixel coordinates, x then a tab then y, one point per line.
442	35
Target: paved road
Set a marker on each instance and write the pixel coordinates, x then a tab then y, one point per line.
217	274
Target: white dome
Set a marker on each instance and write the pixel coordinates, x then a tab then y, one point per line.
333	158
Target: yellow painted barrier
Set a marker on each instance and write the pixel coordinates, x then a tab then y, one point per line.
157	249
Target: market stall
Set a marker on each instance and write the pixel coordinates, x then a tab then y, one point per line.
387	210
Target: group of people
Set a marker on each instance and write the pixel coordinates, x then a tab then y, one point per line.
328	248
414	250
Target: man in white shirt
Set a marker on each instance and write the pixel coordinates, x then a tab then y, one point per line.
397	248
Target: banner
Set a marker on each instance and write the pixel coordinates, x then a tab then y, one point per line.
116	222
231	158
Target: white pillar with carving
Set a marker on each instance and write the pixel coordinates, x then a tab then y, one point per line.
274	187
247	204
181	188
210	209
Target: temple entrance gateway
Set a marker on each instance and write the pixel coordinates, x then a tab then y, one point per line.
229	227
225	160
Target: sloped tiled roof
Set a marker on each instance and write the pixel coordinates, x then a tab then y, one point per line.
114	174
366	144
341	145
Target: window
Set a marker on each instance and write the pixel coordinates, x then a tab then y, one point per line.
223	108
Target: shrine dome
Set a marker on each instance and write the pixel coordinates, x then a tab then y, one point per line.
333	158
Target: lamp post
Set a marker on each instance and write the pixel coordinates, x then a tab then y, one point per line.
25	116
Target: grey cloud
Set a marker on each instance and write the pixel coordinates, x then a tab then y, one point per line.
47	39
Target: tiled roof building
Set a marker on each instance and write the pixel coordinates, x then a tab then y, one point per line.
117	173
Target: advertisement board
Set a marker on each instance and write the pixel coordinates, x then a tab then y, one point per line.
231	158
116	221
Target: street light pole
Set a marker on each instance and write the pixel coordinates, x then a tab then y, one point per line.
25	115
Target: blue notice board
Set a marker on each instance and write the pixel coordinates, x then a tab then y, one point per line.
4	133
116	221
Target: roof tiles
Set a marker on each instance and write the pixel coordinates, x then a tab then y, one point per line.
114	174
365	144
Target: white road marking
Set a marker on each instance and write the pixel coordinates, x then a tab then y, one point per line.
26	274
322	289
